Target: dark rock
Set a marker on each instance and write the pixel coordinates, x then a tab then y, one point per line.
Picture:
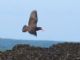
62	51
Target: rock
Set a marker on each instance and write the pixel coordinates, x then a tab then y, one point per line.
61	51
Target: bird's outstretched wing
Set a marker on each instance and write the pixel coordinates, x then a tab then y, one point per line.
33	33
33	19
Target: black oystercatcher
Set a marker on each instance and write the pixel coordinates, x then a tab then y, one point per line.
32	24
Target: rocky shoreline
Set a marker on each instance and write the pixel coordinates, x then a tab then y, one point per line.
61	51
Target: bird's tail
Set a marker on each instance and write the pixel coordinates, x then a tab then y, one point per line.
24	28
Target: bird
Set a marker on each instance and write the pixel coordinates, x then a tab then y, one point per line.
32	24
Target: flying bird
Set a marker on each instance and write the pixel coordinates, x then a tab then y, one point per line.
32	24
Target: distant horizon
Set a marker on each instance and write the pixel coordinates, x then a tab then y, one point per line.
10	43
36	40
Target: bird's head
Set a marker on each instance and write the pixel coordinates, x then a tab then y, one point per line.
25	28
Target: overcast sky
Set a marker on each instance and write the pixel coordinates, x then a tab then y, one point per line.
59	18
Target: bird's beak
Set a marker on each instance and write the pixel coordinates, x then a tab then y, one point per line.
42	30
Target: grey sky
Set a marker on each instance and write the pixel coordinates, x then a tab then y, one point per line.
59	18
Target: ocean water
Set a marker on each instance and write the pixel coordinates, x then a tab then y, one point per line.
6	44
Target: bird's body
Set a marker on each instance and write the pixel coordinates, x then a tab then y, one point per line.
32	25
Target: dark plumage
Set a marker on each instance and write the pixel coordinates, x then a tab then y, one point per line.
32	24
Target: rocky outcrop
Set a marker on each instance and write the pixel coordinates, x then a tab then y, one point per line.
62	51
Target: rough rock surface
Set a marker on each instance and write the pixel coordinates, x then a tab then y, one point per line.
62	51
